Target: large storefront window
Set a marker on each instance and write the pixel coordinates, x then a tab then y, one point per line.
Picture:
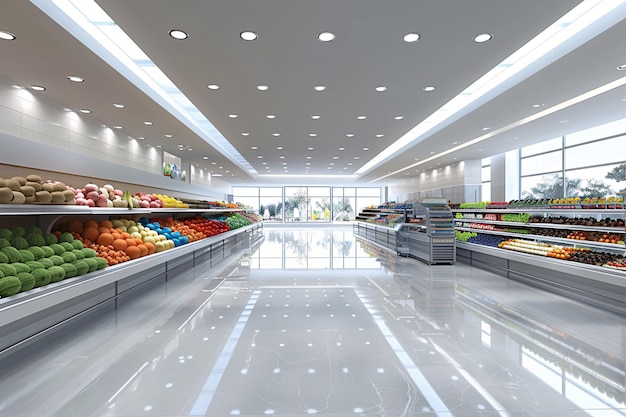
308	204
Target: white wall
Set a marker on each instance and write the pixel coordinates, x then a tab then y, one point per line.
457	183
38	133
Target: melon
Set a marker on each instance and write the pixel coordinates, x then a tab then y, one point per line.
78	254
70	270
11	253
6	234
88	252
18	231
77	244
66	237
46	262
7	270
37	252
57	248
68	257
27	279
48	251
10	286
57	260
50	239
42	277
102	263
56	273
3	258
33	265
4	242
81	267
92	263
35	239
19	242
26	255
20	267
67	246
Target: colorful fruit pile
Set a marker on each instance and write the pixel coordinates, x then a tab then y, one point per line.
208	227
31	259
177	230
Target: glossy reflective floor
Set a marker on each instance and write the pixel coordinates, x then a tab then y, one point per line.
314	321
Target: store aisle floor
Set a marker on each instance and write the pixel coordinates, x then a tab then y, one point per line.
314	321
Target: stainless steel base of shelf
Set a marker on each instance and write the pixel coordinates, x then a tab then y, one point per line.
598	286
29	317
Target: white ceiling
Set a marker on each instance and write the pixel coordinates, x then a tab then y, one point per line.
287	56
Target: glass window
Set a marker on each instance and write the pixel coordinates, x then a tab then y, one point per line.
368	192
542	186
271	191
486	191
485	174
544	163
245	191
610	129
596	153
593	182
548	145
486	161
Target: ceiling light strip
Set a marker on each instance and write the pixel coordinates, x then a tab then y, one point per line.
561	106
88	23
582	23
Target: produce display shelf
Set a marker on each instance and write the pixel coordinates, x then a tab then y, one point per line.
571	242
545	225
596	285
43	308
62	209
618	211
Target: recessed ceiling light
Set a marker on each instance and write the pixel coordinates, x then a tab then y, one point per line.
271	116
75	78
118	127
279	147
310	148
168	135
349	135
320	87
538	105
189	149
312	134
213	163
159	146
148	123
366	149
260	156
411	37
276	134
284	163
335	157
178	34
326	36
432	152
38	88
282	157
141	138
309	157
381	88
7	36
621	67
483	37
342	149
205	157
356	157
262	87
254	147
118	106
245	134
380	135
213	87
399	117
429	88
349	163
486	128
248	36
86	111
233	116
315	117
563	121
361	117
